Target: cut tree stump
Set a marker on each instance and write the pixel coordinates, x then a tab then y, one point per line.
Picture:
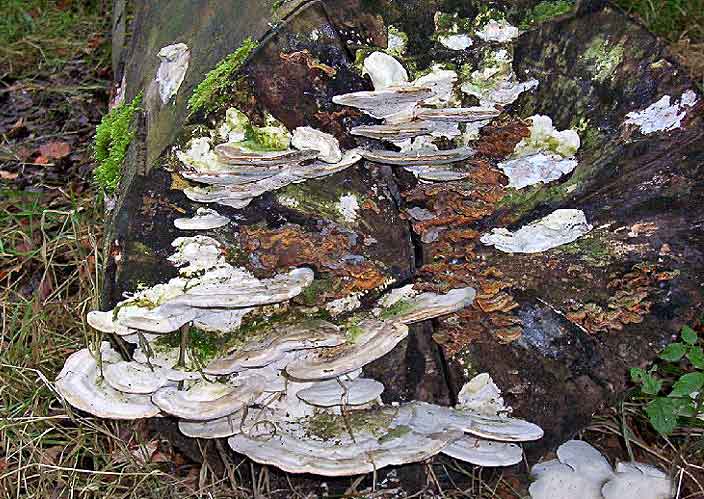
557	330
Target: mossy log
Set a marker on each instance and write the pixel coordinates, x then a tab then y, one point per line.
557	330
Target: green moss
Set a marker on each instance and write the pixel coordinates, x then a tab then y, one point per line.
603	59
313	293
272	137
394	433
545	11
112	138
591	249
395	310
327	426
214	91
203	346
353	333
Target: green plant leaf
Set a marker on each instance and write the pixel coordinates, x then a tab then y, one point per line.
689	335
687	384
673	352
649	384
662	413
696	357
637	374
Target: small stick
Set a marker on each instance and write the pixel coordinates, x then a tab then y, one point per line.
184	345
185	337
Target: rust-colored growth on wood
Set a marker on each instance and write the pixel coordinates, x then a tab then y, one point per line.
498	141
291	246
629	303
304	57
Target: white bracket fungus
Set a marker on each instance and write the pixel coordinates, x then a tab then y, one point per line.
582	472
495	82
662	116
484	452
342	393
374	339
172	69
428	305
206	285
81	385
328	147
482	396
384	70
234	174
420	157
204	219
545	156
275	342
205	400
558	228
497	30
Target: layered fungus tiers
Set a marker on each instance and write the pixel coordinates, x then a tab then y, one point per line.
335	246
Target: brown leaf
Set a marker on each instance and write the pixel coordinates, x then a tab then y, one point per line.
5	175
41	160
46	287
51	455
55	150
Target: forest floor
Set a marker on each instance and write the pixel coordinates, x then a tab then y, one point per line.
55	83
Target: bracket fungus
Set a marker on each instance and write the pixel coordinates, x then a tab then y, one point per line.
172	70
81	384
257	160
545	156
204	219
558	228
662	115
278	327
582	472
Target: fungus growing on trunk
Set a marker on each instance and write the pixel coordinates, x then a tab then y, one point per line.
558	228
582	472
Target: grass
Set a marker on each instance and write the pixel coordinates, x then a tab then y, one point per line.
39	35
678	22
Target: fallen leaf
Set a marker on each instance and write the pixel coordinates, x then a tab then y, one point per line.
41	160
55	150
5	175
51	455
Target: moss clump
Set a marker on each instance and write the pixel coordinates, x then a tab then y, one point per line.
272	137
315	292
394	433
603	59
203	346
395	310
327	426
353	333
112	138
218	84
590	249
544	11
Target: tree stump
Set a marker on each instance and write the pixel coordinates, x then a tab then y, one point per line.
558	329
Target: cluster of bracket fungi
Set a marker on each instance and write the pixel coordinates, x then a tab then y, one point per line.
290	391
